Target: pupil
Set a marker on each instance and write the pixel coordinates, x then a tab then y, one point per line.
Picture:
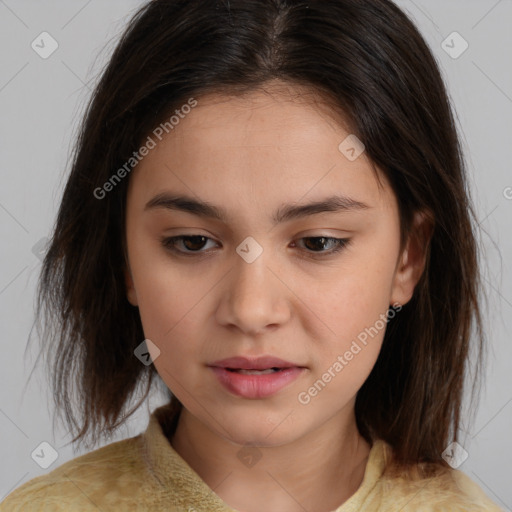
318	242
195	238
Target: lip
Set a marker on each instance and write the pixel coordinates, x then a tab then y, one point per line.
254	363
255	386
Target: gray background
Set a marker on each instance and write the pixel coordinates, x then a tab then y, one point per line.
41	101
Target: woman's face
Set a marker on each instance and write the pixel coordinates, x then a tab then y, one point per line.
262	277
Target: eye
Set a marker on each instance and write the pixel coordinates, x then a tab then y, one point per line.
192	243
316	244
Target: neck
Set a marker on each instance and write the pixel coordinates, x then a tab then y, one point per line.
318	471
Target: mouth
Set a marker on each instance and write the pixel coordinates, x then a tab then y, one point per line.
255	372
256	384
256	377
266	363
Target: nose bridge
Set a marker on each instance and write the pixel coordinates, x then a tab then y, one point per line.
255	298
250	275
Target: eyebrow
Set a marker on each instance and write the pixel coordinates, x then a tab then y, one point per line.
287	212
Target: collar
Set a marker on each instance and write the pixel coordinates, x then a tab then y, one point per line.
186	488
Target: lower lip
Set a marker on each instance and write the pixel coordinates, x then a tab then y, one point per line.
256	386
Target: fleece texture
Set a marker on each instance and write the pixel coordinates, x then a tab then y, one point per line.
145	473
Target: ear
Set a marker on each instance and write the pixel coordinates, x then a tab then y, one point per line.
411	263
130	288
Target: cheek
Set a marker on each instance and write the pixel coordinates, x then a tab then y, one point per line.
171	312
343	363
163	292
353	312
168	307
357	297
172	322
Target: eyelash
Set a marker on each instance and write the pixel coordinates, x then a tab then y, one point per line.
169	244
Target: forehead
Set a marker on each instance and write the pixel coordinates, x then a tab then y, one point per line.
279	110
266	146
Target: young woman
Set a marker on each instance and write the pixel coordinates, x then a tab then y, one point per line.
268	203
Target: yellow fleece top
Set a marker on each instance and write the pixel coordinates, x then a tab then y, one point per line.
145	473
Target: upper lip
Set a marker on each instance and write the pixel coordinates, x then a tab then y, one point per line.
257	363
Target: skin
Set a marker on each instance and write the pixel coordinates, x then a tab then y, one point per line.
250	155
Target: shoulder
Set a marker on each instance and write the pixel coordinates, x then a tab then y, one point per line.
82	483
452	490
410	490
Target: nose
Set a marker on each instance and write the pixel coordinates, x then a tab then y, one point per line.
253	298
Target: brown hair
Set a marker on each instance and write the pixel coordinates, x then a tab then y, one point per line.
370	62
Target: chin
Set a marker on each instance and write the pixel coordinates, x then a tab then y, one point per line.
267	431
